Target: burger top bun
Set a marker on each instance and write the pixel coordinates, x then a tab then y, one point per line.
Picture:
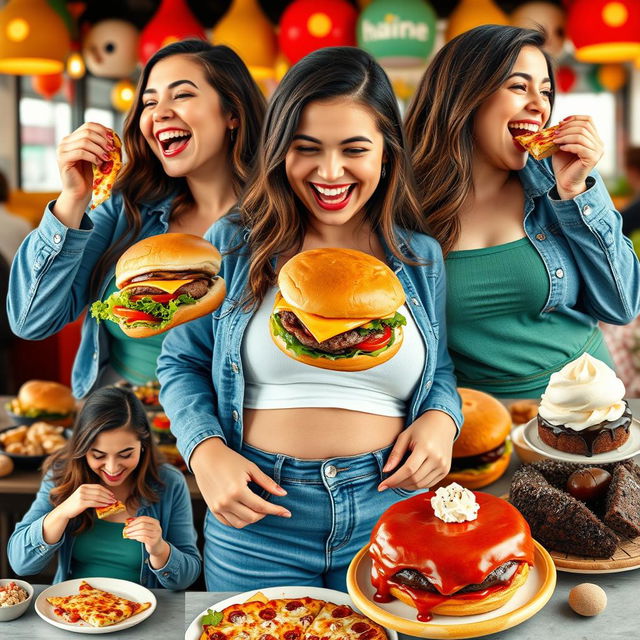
167	252
340	283
44	395
485	426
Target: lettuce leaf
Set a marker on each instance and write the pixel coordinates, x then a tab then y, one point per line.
396	320
211	618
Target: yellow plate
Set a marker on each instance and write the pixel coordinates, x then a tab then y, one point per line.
526	602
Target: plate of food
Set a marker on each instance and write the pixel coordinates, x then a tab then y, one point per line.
95	605
306	611
29	445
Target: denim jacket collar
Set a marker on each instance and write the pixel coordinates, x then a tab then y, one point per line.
536	178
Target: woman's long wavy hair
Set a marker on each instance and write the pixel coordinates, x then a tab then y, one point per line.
143	179
276	218
439	120
105	409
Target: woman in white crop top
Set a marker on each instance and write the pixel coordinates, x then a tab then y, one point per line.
297	463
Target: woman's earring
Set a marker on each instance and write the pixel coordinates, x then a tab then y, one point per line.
383	173
232	133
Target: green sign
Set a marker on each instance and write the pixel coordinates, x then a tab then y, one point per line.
397	32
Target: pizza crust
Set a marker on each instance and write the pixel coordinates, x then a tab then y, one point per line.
110	509
539	144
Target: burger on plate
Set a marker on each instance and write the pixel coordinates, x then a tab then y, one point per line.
482	451
164	280
43	400
338	309
451	552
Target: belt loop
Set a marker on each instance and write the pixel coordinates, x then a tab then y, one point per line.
379	458
277	468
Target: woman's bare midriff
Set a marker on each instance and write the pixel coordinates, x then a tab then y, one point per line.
312	433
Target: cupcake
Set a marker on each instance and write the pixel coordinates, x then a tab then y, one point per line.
582	410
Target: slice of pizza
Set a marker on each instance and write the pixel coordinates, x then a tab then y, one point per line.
289	617
341	622
105	174
539	144
241	621
110	509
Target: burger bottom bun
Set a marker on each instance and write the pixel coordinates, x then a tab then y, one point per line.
476	480
207	304
357	363
472	605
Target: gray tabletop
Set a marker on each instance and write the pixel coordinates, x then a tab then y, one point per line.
165	623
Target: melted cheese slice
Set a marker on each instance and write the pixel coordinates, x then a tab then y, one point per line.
168	286
320	328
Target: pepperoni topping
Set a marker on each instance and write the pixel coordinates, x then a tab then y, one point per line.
367	635
106	167
267	636
342	612
313	637
360	627
293	605
291	635
217	636
235	616
305	621
267	614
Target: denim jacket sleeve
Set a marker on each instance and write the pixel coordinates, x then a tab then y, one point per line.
27	550
593	230
184	563
443	394
51	273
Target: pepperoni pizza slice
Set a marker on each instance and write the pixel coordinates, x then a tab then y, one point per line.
539	144
110	509
105	174
341	622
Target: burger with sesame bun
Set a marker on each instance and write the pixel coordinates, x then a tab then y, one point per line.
44	400
163	281
338	309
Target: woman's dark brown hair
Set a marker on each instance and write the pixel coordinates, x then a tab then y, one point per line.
439	120
105	409
143	179
275	216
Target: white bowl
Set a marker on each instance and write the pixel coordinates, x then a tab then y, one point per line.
16	610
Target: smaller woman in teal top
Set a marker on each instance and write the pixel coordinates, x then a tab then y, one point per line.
110	456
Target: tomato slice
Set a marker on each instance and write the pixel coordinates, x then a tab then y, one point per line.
132	315
373	344
156	297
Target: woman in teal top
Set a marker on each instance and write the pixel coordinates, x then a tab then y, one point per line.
534	250
110	457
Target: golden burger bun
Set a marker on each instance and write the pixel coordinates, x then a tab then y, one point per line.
46	396
486	425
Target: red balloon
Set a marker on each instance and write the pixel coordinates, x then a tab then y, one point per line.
47	86
307	25
172	22
565	78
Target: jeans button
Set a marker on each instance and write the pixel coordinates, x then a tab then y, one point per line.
540	236
234	367
235	415
586	210
331	471
57	238
559	273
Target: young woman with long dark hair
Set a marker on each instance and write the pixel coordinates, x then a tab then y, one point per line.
296	463
110	456
190	139
534	251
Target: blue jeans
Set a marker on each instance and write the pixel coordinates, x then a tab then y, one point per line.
334	505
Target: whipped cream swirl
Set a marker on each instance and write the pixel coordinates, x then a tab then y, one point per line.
582	394
454	503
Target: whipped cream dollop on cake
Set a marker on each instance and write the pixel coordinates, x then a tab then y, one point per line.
454	503
582	394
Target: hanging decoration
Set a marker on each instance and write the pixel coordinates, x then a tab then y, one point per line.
307	25
565	78
248	32
34	38
47	85
76	67
110	48
122	95
60	7
549	16
398	34
604	31
612	76
171	23
473	13
593	80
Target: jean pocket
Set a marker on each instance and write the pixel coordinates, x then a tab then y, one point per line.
260	491
404	493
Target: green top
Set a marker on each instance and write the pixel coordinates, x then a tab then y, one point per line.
103	552
498	340
135	359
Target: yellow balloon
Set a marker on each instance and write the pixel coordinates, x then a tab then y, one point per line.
473	13
612	77
122	95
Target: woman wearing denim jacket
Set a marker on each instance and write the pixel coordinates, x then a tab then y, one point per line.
179	184
110	456
534	250
296	463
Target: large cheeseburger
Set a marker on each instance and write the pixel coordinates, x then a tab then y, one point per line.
164	280
454	568
338	309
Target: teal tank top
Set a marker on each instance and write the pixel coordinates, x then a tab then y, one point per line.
497	338
103	552
135	359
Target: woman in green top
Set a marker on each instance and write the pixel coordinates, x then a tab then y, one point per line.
534	251
110	456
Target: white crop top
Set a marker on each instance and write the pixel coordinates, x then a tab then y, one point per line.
275	381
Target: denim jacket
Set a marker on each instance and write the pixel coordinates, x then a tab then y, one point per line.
29	553
592	268
51	275
200	367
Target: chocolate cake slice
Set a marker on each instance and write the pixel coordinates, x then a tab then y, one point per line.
622	512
